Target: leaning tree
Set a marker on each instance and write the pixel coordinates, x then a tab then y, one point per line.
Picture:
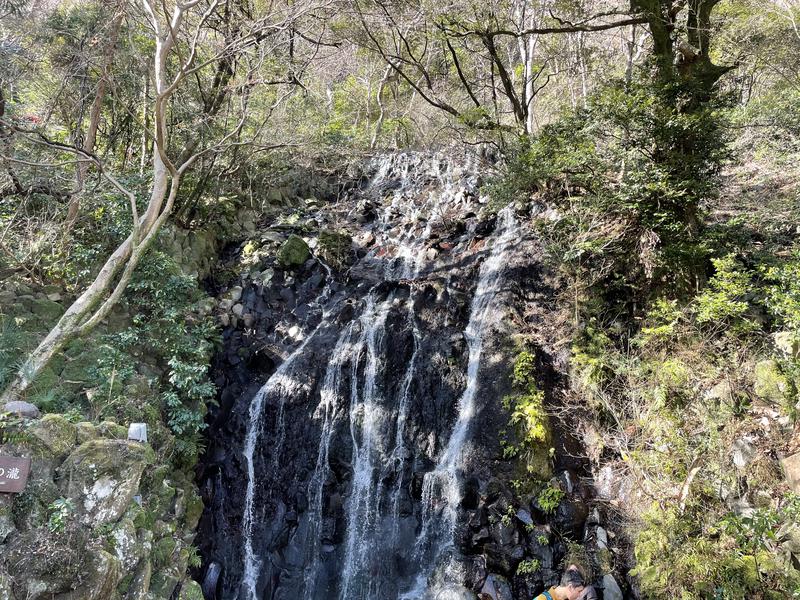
188	43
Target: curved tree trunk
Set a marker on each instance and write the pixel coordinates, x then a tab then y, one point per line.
94	304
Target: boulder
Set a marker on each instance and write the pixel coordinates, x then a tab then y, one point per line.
86	431
743	453
140	585
497	587
103	476
294	252
190	590
102	574
791	468
110	429
126	546
211	580
26	410
46	309
611	589
788	343
162	585
334	247
770	383
52	436
42	563
721	392
366	239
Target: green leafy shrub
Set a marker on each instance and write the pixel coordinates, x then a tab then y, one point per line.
660	323
723	301
166	329
593	357
783	292
12	429
528	417
529	566
713	555
60	511
549	498
628	174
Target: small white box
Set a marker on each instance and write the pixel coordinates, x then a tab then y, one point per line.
137	432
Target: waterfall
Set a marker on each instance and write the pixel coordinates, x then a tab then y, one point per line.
364	417
280	384
399	452
327	411
390	542
441	487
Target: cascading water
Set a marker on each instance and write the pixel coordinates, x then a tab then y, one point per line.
441	487
400	449
361	516
280	385
327	410
364	423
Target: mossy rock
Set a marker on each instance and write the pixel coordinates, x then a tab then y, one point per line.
162	586
103	476
162	528
154	478
42	563
52	436
30	507
787	343
86	431
100	583
770	383
163	551
125	584
162	499
125	544
47	310
190	590
112	430
334	248
78	368
194	509
140	584
294	252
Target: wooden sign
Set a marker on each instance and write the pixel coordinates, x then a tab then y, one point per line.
13	474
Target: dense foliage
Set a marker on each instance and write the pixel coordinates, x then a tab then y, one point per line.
686	330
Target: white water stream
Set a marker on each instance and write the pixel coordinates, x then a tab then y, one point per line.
424	194
442	492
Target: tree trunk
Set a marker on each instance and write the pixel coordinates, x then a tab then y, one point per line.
381	115
94	304
94	115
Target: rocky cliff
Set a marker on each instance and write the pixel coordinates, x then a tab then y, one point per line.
368	441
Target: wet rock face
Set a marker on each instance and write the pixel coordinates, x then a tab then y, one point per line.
342	385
